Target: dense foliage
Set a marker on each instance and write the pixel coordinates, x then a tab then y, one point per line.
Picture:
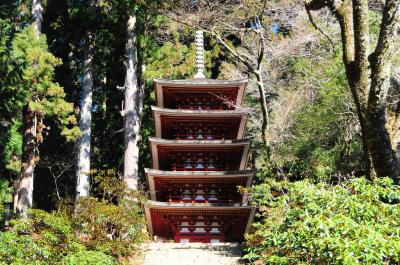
47	239
321	135
352	222
34	87
97	232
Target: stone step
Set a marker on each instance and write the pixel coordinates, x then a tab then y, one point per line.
192	253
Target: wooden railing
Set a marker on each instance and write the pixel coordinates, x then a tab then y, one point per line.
198	136
199	166
205	102
204	198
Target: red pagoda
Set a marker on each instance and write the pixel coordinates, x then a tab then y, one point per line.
199	159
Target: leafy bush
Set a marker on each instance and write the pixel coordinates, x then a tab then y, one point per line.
89	258
21	249
113	229
52	232
114	221
98	231
354	222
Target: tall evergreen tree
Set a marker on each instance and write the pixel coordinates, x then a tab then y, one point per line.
133	106
41	97
29	127
85	121
83	148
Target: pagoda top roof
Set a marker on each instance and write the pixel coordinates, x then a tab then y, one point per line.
198	82
168	91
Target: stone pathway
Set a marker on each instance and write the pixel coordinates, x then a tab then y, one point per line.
191	254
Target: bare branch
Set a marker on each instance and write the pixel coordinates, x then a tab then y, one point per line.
233	52
57	166
311	18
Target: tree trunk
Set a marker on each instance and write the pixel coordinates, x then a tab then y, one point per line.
379	143
364	139
356	86
24	186
37	14
133	108
85	121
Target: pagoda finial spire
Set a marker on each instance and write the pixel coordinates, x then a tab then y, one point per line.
199	55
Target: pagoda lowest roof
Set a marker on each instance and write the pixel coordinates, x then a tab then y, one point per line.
200	209
197	205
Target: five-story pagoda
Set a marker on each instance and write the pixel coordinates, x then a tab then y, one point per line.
199	159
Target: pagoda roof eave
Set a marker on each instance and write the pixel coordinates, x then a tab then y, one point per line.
160	173
246	141
198	82
194	175
198	206
199	112
206	206
156	142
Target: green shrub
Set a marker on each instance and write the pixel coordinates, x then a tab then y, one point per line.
96	227
21	249
98	231
89	258
354	222
113	229
51	231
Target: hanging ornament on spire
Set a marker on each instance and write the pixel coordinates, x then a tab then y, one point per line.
199	55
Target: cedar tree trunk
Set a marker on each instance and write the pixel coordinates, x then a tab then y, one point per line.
85	122
133	108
